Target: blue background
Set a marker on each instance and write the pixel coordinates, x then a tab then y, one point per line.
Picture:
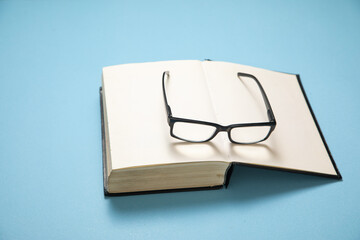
51	57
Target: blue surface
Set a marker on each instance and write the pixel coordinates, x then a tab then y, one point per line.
51	55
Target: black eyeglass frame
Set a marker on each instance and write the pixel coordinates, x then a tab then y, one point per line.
220	128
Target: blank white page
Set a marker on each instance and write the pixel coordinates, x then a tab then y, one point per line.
295	144
136	118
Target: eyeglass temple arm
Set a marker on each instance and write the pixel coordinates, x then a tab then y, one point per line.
168	109
266	100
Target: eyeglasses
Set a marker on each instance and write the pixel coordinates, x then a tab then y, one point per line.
196	131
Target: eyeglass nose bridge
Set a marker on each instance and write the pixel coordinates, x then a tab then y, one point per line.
223	128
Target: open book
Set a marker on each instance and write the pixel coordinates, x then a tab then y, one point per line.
140	155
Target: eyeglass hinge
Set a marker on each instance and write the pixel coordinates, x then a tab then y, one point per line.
169	110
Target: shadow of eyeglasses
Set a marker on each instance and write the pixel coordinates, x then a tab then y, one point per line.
252	151
196	150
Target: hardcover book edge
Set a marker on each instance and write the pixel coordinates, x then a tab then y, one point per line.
230	168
